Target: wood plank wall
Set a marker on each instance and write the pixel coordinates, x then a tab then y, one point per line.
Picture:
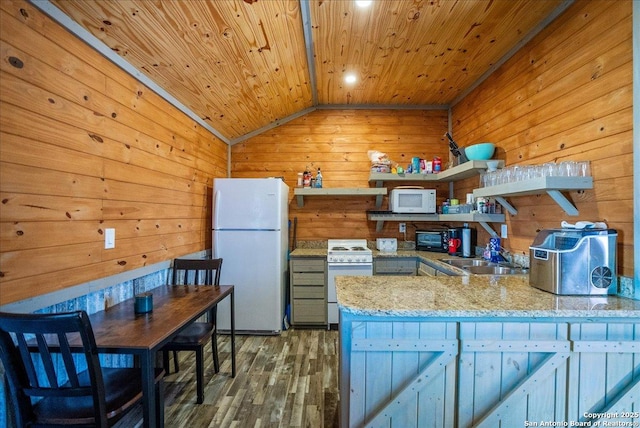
567	95
84	147
337	141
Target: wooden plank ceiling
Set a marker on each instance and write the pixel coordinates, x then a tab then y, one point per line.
242	66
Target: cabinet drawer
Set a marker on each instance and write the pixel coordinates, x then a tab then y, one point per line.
309	292
394	267
307	265
309	311
303	278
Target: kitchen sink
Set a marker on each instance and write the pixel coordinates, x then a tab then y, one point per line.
484	267
495	270
466	262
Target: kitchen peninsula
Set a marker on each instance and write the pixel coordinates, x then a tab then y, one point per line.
483	351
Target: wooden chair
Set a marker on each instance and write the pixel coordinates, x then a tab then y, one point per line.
53	384
195	336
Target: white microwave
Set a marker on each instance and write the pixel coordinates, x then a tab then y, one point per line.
412	200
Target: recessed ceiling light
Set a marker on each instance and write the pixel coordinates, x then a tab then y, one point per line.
363	3
350	78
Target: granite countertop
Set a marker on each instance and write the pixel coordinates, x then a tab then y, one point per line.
309	252
470	296
464	296
322	252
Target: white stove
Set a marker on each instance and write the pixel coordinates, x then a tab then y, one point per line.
345	257
348	251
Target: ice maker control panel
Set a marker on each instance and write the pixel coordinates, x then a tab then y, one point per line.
541	254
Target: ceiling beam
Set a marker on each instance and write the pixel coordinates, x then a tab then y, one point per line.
308	42
383	107
272	125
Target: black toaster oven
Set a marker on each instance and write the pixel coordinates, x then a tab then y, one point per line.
436	240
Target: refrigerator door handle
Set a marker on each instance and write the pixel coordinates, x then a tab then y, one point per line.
216	204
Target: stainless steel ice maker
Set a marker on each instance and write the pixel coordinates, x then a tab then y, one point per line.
574	261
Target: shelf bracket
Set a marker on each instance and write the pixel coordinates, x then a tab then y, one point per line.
502	201
564	203
300	200
378	202
489	229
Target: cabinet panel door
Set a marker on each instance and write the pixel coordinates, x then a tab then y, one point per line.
312	311
309	292
394	266
310	265
300	278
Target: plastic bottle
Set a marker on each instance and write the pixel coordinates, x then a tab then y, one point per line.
487	253
319	179
300	179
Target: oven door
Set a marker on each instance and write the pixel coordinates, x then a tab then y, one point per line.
342	269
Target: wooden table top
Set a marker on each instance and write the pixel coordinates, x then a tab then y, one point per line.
174	306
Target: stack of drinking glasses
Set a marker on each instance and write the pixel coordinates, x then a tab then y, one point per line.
517	173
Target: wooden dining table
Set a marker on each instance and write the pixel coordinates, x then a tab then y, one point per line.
119	330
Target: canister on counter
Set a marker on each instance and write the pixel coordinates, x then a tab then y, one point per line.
494	247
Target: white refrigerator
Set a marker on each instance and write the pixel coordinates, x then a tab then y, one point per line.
250	234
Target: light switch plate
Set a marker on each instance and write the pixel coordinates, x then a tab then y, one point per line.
109	238
503	231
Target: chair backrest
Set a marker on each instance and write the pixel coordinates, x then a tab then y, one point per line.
196	271
36	351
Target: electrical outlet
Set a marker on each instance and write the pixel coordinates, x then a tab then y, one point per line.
503	231
402	227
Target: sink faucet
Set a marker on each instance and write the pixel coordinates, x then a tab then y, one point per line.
511	259
503	257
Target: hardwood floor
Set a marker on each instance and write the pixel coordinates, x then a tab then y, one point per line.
289	380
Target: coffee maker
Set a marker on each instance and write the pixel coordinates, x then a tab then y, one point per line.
462	241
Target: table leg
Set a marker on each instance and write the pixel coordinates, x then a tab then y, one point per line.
147	364
233	337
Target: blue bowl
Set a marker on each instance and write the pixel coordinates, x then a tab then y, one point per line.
482	151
